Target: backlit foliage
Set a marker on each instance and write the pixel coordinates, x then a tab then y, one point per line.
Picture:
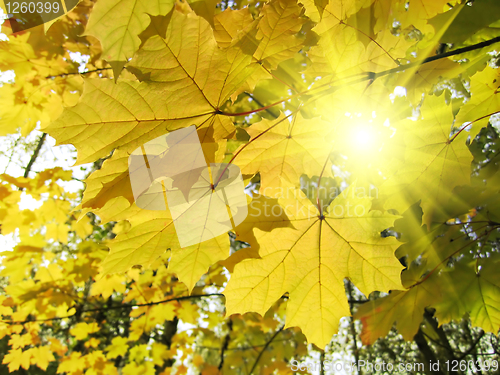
364	131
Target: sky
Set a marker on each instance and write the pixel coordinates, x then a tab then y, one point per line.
13	160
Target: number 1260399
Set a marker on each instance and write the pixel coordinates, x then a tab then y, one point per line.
483	366
32	7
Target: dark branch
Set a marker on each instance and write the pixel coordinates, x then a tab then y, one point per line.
351	325
225	345
473	346
371	76
458	51
426	351
368	76
429	317
122	306
39	145
265	348
77	73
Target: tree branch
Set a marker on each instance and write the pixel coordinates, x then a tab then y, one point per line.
473	346
370	76
440	56
39	145
265	348
225	345
352	327
428	316
268	110
77	73
426	351
122	306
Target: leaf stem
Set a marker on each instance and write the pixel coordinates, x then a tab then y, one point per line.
470	123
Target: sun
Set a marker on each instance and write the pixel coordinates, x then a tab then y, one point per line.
363	139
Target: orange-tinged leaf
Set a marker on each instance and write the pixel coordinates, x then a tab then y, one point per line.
406	308
107	285
82	330
41	356
17	358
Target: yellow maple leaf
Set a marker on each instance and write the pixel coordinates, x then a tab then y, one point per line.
284	149
119	346
485	100
117	24
276	32
207	82
41	356
17	358
310	260
82	330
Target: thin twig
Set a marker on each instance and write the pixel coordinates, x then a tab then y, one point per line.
12	154
77	73
122	306
265	348
473	346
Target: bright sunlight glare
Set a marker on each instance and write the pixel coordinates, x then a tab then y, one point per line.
363	139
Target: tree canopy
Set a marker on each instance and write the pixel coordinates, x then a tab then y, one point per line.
367	136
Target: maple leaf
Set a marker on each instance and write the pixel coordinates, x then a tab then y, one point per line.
206	82
435	162
331	67
453	294
421	79
150	235
485	100
230	25
403	307
283	149
471	288
109	182
416	13
310	260
117	24
276	32
41	356
344	49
